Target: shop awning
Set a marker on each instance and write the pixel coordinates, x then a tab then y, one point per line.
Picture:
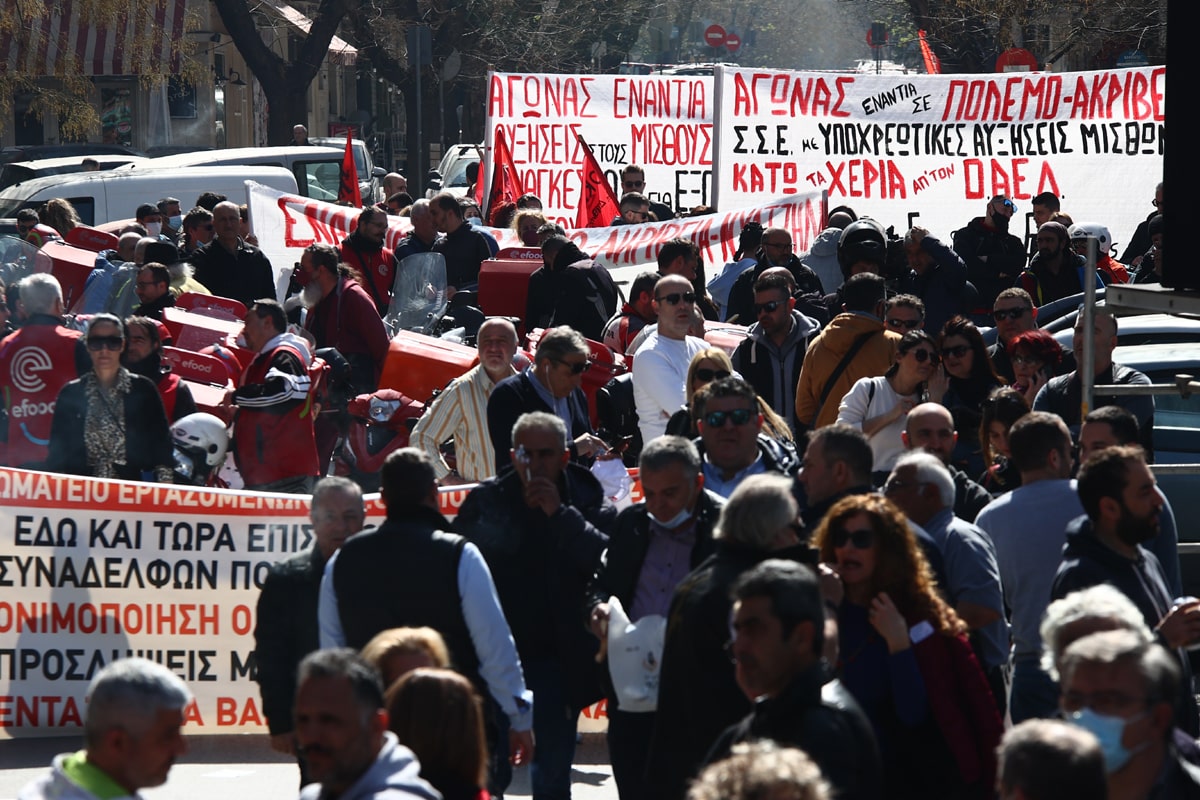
340	51
58	41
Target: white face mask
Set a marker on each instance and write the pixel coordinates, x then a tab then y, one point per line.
674	522
154	228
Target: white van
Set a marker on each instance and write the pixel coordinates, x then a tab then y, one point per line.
317	170
101	197
18	171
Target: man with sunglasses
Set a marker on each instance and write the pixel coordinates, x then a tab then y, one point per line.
1013	313
993	255
633	179
775	250
937	275
903	313
731	440
660	368
36	361
770	356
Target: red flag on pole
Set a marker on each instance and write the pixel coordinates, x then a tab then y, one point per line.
348	178
506	182
598	204
933	64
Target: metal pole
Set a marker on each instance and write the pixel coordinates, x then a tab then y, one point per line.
1087	370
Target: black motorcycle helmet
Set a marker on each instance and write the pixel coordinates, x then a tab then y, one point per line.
862	240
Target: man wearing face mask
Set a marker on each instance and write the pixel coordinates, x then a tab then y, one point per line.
1122	690
172	218
150	218
1123	506
994	256
653	546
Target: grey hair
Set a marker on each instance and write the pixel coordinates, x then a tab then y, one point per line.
39	292
128	694
759	508
419	209
761	769
662	451
541	421
556	343
1099	602
1158	669
930	469
344	662
334	483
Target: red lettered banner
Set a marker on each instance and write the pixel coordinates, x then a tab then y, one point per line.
942	145
662	123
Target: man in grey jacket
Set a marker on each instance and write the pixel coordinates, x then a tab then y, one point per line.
770	356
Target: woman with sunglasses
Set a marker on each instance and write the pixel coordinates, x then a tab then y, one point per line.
1035	358
1003	407
971	377
110	423
879	406
904	655
712	364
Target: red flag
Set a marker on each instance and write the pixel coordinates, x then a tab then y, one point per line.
598	205
933	64
505	183
348	178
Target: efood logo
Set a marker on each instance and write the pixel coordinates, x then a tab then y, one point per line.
27	365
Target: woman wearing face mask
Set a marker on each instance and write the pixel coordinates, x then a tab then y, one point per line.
110	423
904	655
879	406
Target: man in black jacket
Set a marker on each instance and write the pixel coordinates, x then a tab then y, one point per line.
542	524
776	251
778	638
285	630
570	289
994	257
653	546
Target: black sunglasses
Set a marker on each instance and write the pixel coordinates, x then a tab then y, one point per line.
98	343
577	367
709	375
910	324
767	307
923	355
674	297
716	419
958	351
1001	314
861	539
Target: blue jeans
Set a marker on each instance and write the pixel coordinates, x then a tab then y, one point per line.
1034	693
553	730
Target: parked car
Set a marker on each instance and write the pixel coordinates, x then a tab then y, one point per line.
453	167
32	152
18	171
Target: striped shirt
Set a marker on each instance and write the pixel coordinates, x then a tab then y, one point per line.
460	412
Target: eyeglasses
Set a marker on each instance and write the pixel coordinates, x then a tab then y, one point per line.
908	324
767	307
1001	314
860	539
98	343
738	416
895	485
674	298
577	367
638	214
1111	702
923	355
709	375
1027	361
958	351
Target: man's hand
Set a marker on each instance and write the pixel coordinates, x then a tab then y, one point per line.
283	743
599	621
589	445
1181	626
454	479
543	493
520	747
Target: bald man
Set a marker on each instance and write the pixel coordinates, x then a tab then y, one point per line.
930	426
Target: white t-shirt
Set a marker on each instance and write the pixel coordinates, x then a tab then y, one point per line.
659	374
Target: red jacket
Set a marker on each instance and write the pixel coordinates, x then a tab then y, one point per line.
273	434
377	267
35	363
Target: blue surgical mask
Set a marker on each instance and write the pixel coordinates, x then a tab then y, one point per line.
675	521
1109	730
176	222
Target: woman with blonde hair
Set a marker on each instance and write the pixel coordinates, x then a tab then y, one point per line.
397	651
712	364
60	215
437	714
904	655
526	224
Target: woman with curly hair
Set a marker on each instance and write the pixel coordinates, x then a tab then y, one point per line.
712	364
970	378
526	224
905	657
1035	359
60	215
1003	407
437	714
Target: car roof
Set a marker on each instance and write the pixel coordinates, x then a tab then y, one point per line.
66	161
1160	356
231	155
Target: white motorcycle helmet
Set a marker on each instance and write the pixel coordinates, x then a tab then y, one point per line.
204	439
1082	230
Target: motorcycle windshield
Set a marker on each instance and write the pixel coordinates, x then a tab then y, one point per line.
418	294
19	259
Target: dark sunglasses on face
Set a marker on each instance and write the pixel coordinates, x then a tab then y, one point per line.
767	307
716	419
98	343
909	324
577	367
860	539
925	355
675	297
709	375
958	351
1001	314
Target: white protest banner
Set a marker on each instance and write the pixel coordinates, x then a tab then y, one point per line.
662	123
285	224
941	146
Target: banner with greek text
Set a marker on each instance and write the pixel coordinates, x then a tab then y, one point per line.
931	150
662	123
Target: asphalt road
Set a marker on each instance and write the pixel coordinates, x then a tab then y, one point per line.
245	766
